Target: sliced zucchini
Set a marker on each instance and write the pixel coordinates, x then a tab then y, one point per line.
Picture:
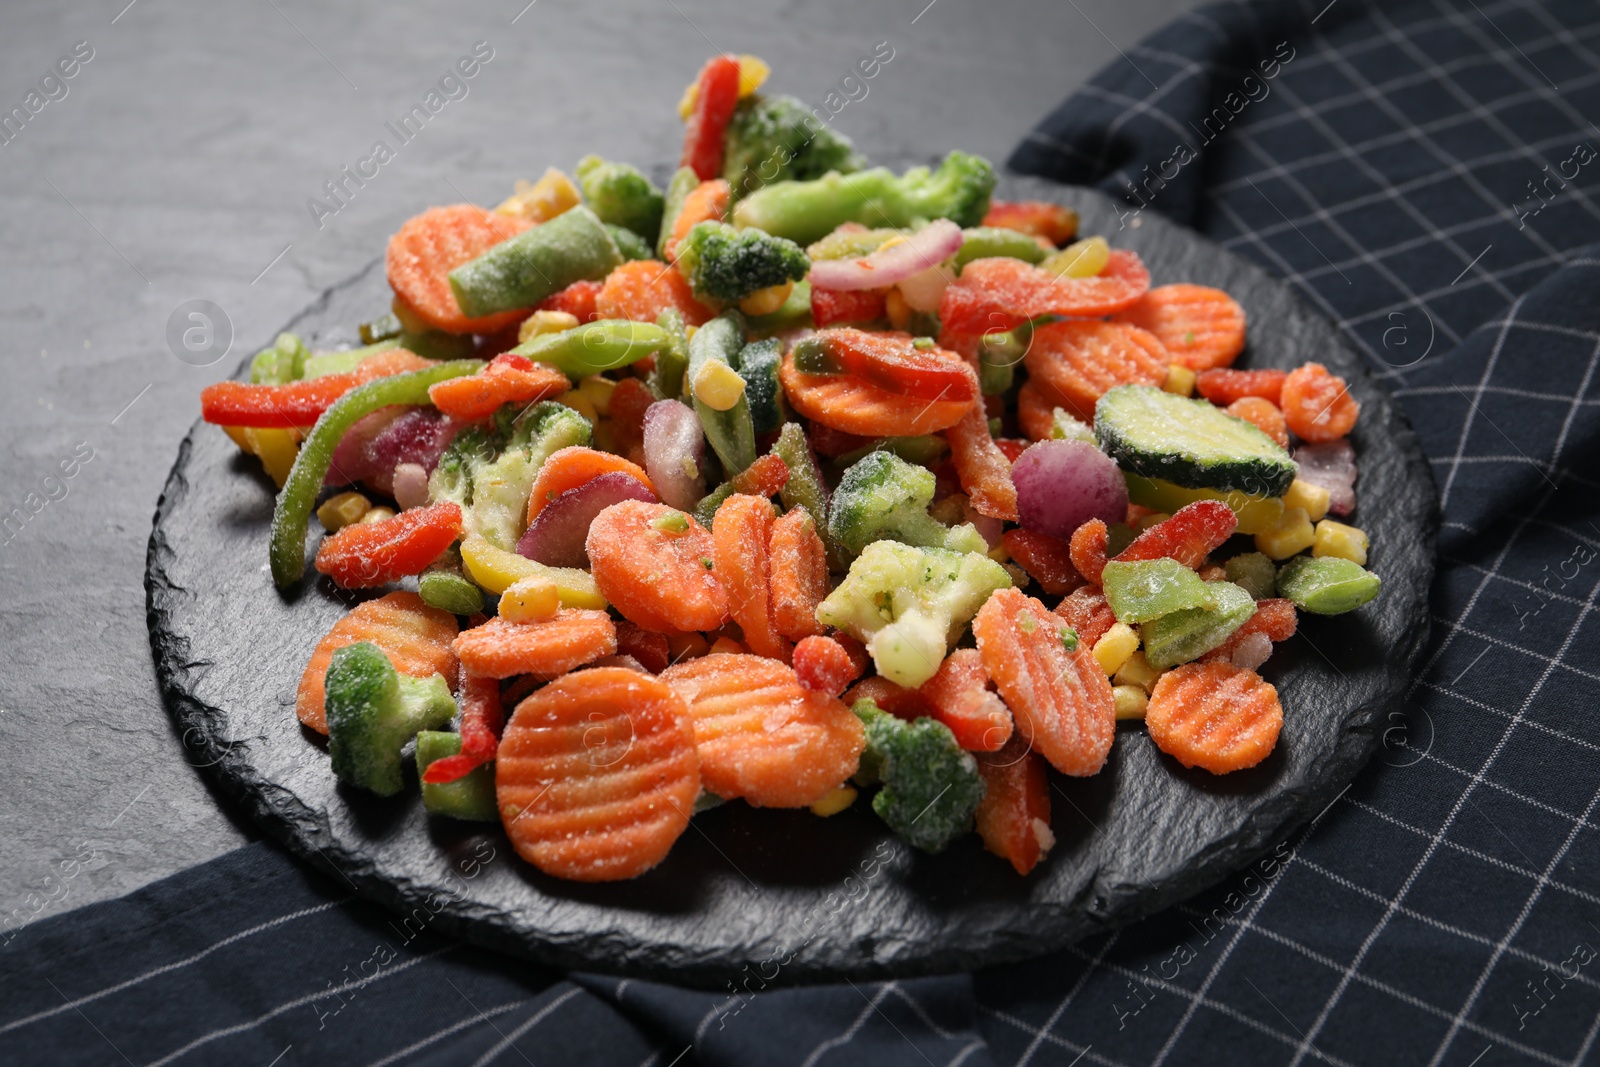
1192	443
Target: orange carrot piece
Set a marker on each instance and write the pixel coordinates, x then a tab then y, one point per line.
798	564
765	477
545	649
1036	411
654	574
1048	560
1001	293
1036	218
1214	716
741	535
368	554
763	736
706	202
642	289
596	775
1074	363
823	665
1223	386
1316	404
505	379
429	246
1263	415
1013	818
1088	549
845	402
902	703
960	697
1088	613
568	468
1201	327
983	469
415	637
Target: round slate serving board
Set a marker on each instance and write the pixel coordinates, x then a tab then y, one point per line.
789	896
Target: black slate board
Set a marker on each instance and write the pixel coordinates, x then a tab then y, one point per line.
784	894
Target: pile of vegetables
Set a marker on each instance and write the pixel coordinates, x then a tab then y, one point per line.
792	480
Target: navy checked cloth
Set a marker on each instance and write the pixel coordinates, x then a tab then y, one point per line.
1426	173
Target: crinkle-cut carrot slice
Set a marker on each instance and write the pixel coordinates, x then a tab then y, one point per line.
1264	416
1036	218
1074	363
824	666
545	649
597	775
1192	533
415	637
368	554
897	700
1061	700
763	736
655	565
568	468
1223	386
427	247
1317	405
1002	294
1214	716
845	402
1013	818
706	202
1088	613
983	469
1088	550
741	536
799	574
642	289
1201	327
1046	559
960	697
505	379
1036	411
1275	617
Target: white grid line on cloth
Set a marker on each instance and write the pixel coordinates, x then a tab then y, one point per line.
1049	1024
1463	286
1456	561
476	1018
850	1032
1533	724
510	1040
920	1012
1501	787
1498	390
1083	1052
1472	411
1519	649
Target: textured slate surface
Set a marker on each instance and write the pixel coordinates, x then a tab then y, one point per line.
744	886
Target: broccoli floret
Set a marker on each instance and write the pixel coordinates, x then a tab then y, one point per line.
931	787
373	710
909	604
883	496
805	211
776	138
621	196
727	265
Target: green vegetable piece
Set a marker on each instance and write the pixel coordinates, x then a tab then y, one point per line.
805	211
758	366
731	433
1149	589
630	244
518	273
851	244
1187	635
931	787
1193	443
722	263
373	710
319	364
908	605
383	328
1255	572
450	591
794	312
469	797
621	196
292	511
777	138
1000	352
805	487
705	512
1327	585
1068	427
594	346
284	362
987	242
924	450
683	182
436	344
672	361
883	496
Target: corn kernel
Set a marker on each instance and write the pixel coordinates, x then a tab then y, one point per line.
531	599
899	311
834	801
598	389
682	646
542	200
546	322
753	71
1114	648
1144	522
1291	536
1313	498
717	385
726	645
1180	380
1136	670
1130	701
1081	259
1337	539
766	301
376	514
276	449
575	400
340	511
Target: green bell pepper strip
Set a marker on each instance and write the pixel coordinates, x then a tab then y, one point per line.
293	509
572	247
988	242
594	347
732	433
805	487
449	591
470	797
673	359
1327	585
684	181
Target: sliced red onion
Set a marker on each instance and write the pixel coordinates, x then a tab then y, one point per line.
1063	484
1253	650
674	453
1332	466
931	245
349	456
924	289
555	538
418	435
410	485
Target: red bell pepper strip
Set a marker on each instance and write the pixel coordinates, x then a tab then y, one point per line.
713	107
375	553
577	300
297	403
836	307
482	720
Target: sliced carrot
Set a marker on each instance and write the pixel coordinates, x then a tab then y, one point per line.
1048	560
654	569
1201	327
1214	716
706	202
1088	613
642	289
765	477
741	535
892	361
545	649
1061	700
1037	218
1275	617
960	697
568	468
799	574
415	637
652	650
824	666
1263	415
368	554
596	775
1013	818
1036	411
763	736
505	379
390	361
429	246
1088	549
1223	386
1002	294
845	402
1074	363
1316	404
577	300
1192	533
903	703
984	470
